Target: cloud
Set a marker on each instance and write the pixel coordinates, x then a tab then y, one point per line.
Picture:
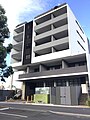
18	11
30	9
16	8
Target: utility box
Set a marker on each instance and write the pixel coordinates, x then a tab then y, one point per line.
41	98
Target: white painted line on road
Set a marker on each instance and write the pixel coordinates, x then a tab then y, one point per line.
70	114
34	110
15	115
4	109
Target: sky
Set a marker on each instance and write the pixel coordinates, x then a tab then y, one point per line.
18	11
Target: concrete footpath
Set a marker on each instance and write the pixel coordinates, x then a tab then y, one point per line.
41	104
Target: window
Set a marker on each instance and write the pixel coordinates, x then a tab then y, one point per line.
36	70
28	36
81	45
27	57
54	67
28	45
80	36
79	26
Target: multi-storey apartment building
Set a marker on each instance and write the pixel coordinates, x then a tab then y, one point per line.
53	52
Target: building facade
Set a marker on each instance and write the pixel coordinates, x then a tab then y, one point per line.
53	52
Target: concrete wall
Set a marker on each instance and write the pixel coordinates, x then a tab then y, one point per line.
73	27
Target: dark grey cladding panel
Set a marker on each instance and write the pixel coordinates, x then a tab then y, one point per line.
76	69
53	95
75	94
58	100
27	43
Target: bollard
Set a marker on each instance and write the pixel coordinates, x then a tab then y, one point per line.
31	98
27	99
6	98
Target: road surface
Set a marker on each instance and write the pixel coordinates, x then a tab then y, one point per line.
18	111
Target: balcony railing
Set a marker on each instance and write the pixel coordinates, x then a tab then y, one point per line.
18	37
70	70
51	32
17	56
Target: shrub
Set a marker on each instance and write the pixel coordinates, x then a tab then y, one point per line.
88	102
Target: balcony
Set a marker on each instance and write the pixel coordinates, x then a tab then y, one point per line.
17	56
18	46
60	11
56	72
51	32
18	37
19	29
57	44
43	19
49	22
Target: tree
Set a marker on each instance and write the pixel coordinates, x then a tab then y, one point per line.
5	71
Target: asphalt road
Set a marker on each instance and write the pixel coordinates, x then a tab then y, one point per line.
41	112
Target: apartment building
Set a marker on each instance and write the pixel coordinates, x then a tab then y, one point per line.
53	52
